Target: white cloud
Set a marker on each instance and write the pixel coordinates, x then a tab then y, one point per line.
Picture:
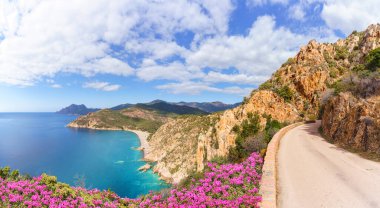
216	77
150	70
254	3
56	86
40	38
297	12
350	15
104	86
259	53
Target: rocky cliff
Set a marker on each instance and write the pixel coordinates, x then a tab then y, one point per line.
296	91
352	118
353	122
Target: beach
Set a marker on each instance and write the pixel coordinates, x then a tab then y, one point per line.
143	137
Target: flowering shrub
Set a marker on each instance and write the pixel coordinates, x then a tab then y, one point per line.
227	185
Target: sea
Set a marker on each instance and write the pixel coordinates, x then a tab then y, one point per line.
36	143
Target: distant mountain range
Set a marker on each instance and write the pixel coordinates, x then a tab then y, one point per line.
142	116
160	105
209	107
77	110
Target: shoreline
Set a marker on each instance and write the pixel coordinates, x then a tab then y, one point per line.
141	135
144	145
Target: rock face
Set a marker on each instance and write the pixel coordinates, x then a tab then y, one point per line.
294	92
174	146
353	122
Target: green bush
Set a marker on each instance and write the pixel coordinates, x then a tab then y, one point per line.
248	128
219	160
266	86
4	172
49	181
285	92
341	53
372	60
289	62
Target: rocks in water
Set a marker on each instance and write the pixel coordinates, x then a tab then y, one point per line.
145	167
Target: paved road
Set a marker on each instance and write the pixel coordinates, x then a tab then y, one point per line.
315	173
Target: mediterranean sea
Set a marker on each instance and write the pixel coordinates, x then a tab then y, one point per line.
37	143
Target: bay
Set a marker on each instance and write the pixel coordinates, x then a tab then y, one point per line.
37	143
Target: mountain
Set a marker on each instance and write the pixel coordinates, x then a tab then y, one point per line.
146	117
77	110
209	107
133	118
307	86
122	106
171	108
206	107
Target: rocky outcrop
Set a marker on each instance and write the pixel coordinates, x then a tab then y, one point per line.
353	122
145	167
294	92
174	146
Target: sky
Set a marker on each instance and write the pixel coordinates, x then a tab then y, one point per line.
103	53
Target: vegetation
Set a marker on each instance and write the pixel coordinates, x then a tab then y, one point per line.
341	53
250	138
266	85
363	78
115	119
227	185
290	61
285	92
373	60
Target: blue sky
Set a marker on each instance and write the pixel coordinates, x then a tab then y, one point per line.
102	53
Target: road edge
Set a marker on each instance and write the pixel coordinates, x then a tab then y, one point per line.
268	184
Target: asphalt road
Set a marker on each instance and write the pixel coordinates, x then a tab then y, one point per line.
315	173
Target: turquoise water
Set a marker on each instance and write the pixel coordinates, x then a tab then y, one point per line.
38	143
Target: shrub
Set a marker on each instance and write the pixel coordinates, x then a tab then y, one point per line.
248	128
266	86
372	60
289	62
285	92
341	53
4	172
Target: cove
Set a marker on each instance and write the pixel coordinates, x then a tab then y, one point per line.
36	143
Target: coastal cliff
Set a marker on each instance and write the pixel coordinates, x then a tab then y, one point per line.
296	91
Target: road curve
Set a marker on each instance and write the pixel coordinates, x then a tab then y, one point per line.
315	173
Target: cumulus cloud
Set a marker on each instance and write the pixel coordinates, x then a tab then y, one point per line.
103	86
350	15
150	70
216	77
254	3
40	38
297	12
259	53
